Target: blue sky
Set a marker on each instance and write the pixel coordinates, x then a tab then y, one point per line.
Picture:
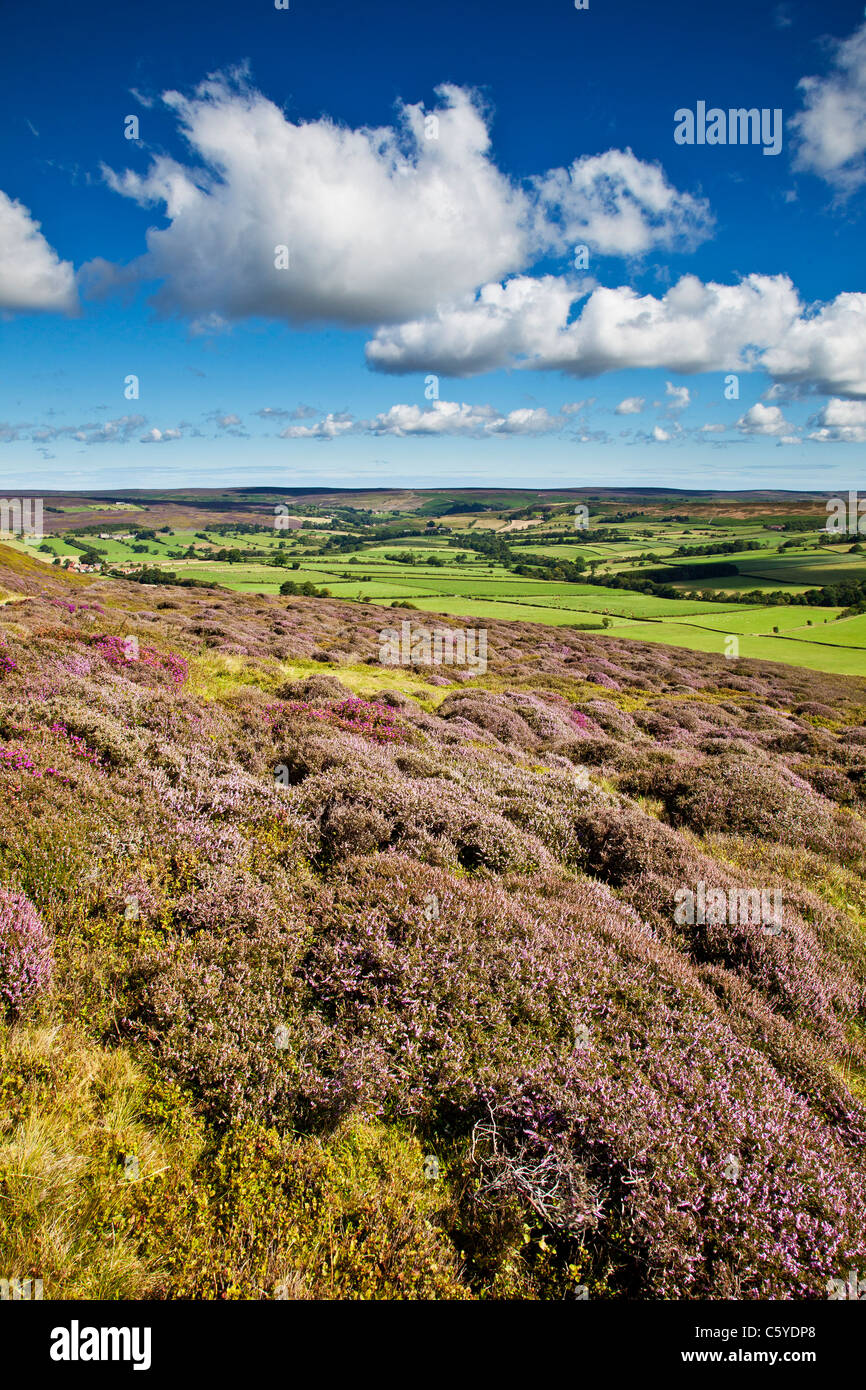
430	172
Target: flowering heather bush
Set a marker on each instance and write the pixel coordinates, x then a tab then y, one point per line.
78	665
109	738
491	712
25	952
318	687
354	714
118	653
77	744
452	929
610	718
479	1011
19	760
429	816
748	796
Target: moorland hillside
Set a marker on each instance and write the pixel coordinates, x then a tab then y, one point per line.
321	978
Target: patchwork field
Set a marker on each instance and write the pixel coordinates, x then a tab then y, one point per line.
501	564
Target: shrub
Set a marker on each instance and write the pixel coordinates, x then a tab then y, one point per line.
751	797
25	952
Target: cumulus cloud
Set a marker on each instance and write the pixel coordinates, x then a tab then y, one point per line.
679	396
632	405
439	418
155	436
331	427
619	205
377	225
763	420
124	429
449	417
694	327
300	412
831	129
118	431
228	424
32	275
414	231
526	322
825	351
10	434
840	422
501	325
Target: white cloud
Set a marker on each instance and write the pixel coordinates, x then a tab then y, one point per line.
620	206
632	405
825	350
427	241
118	431
759	323
228	424
331	427
381	225
32	275
10	434
449	417
693	327
831	130
840	421
712	429
300	412
763	420
155	436
440	418
659	435
680	396
497	327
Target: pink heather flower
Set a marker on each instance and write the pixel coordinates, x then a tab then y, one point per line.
114	650
25	951
354	714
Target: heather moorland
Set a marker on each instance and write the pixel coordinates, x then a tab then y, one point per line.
325	979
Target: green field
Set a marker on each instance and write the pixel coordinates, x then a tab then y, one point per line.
764	620
437	577
848	632
813	655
